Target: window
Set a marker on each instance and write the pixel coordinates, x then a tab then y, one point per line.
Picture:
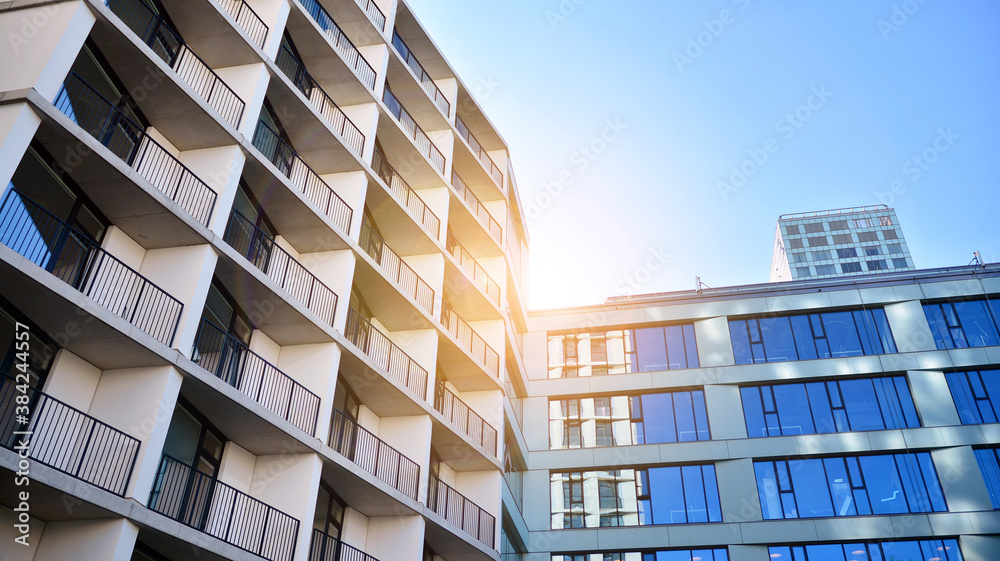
976	395
958	325
939	550
792	229
895	249
889	235
810	336
849	486
800	257
718	554
900	263
877	265
989	464
818	241
843	238
823	255
645	349
823	407
826	270
795	243
854	267
870	251
885	221
814	228
862	222
803	272
627	420
635	497
838	225
846	252
867	236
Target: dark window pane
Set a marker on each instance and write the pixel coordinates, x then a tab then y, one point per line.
977	323
938	325
812	494
778	343
863	411
767	489
659	418
694	494
793	409
684	413
668	501
885	489
841	334
651	349
820	403
989	465
753	412
840	487
804	343
700	414
712	494
741	342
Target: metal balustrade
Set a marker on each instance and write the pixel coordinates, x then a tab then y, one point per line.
74	258
396	269
373	455
65	438
247	19
478	151
324	547
302	177
479	210
169	46
468	263
413	130
385	354
204	503
426	82
229	360
460	511
296	71
340	42
480	350
406	196
262	251
79	101
374	13
463	417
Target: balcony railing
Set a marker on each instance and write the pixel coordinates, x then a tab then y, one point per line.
385	354
296	72
65	438
396	269
373	455
425	80
472	267
482	215
206	504
340	42
325	547
412	130
374	13
247	19
460	511
170	47
261	250
288	162
74	258
234	363
463	417
127	140
406	196
480	350
478	151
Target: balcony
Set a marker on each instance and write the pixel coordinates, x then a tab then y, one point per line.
405	195
228	359
470	340
129	142
324	547
340	42
295	70
373	455
463	417
170	47
396	269
425	80
74	258
206	504
385	354
65	438
413	131
476	206
460	511
473	269
247	19
374	13
262	251
479	152
302	177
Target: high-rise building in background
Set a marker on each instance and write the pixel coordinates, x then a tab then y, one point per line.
840	242
263	271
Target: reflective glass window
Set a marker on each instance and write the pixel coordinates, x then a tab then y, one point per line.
969	323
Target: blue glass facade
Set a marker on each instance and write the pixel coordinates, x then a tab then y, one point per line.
811	336
969	323
989	464
824	407
718	554
849	486
938	550
976	395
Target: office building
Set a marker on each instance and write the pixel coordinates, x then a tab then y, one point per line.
261	269
839	242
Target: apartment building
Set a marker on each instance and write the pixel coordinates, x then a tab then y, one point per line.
823	420
261	267
837	243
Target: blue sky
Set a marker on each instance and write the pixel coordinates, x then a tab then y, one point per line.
628	121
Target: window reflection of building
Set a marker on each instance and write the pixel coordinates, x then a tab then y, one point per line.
621	351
